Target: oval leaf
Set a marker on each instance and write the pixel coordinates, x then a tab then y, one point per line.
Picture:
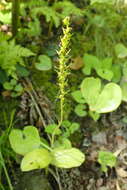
67	158
44	63
90	88
24	141
121	50
37	159
109	99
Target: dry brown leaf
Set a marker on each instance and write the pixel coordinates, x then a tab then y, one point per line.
77	63
6	93
121	172
117	186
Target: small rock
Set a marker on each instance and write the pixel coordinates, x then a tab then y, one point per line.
99	138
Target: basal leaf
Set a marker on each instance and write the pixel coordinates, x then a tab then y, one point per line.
24	141
90	88
109	99
121	50
37	159
67	158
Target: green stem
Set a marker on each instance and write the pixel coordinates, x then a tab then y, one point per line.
56	177
47	147
15	16
5	171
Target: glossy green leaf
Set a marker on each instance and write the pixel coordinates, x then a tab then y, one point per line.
80	110
121	50
90	88
109	99
24	141
106	159
67	158
77	95
99	101
44	63
37	159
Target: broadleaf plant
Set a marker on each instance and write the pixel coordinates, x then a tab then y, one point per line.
15	53
103	67
39	155
100	98
106	159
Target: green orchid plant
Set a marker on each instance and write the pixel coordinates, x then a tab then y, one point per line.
37	152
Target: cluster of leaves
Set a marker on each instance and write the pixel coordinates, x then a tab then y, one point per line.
5	13
100	99
38	155
11	55
53	14
107	71
13	86
104	68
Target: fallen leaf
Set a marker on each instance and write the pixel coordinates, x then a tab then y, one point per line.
121	172
77	63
